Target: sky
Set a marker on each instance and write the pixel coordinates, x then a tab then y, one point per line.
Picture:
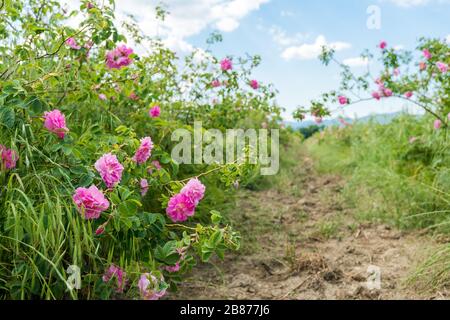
288	35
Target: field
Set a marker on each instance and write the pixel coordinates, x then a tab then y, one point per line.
314	237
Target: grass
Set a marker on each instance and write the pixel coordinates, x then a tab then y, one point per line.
389	179
393	181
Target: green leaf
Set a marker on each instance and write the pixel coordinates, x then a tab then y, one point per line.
216	217
165	158
216	238
85	180
128	207
7	117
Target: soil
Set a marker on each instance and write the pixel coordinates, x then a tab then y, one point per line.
301	241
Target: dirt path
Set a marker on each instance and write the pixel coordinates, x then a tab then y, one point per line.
301	241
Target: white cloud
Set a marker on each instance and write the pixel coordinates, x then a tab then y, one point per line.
280	37
227	24
448	39
415	3
287	13
356	62
409	3
313	50
185	18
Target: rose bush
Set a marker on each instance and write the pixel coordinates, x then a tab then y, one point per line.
87	177
420	78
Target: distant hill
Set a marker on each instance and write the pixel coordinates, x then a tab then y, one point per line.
379	118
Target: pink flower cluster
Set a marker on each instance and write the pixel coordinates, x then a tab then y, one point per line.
109	169
90	202
396	72
174	268
182	205
115	272
156	165
427	54
226	64
443	68
144	187
144	151
72	43
422	66
8	157
119	57
437	124
155	112
55	122
215	83
383	45
382	91
150	287
133	96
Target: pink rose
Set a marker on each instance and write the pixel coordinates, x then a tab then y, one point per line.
72	43
408	94
150	288
118	273
443	68
174	268
180	207
343	100
133	96
144	187
8	157
437	124
376	95
109	169
387	92
55	122
195	190
119	57
90	202
144	151
155	112
426	54
383	45
254	84
226	64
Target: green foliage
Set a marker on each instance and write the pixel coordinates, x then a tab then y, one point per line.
309	131
42	233
398	172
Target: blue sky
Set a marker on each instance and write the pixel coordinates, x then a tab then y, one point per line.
298	80
286	33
